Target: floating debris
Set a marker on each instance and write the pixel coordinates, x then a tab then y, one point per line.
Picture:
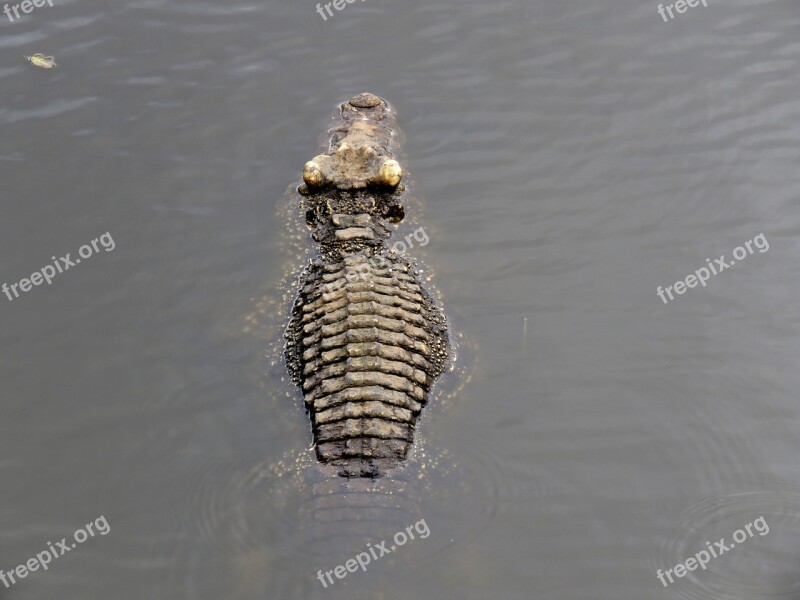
42	61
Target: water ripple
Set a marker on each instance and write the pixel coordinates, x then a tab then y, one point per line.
763	565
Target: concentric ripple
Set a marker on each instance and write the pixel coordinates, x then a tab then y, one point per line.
760	529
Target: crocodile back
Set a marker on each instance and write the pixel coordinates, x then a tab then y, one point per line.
366	341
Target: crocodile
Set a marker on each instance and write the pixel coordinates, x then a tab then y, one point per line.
366	341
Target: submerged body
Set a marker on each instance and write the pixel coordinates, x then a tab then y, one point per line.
366	341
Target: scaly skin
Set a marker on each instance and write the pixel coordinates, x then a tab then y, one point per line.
366	341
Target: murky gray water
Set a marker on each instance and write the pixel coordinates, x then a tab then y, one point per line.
570	158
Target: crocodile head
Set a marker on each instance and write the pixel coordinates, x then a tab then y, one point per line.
352	191
360	154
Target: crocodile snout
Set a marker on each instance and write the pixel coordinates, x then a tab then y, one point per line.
365	100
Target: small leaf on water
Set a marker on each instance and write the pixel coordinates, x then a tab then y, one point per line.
42	61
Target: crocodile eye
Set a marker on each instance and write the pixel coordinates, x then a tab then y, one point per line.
389	174
312	174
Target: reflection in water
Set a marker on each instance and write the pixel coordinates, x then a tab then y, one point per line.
293	519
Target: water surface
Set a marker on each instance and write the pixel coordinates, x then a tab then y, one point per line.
568	157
